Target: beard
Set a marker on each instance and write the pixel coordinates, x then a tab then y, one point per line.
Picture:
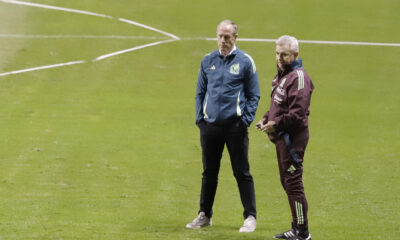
284	66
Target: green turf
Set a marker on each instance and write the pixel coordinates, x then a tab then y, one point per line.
109	149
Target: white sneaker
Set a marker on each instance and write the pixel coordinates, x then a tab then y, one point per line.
200	221
249	224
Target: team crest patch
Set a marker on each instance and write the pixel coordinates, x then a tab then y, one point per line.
235	69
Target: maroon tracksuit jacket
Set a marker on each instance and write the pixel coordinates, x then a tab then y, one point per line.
290	100
290	107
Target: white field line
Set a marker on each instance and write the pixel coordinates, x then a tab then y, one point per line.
174	38
90	13
189	39
41	68
132	49
149	28
79	36
55	8
351	43
305	41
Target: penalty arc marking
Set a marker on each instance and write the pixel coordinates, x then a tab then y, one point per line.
171	37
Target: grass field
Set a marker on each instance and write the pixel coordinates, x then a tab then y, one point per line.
109	149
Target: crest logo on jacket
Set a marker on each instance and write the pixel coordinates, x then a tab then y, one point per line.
235	69
281	91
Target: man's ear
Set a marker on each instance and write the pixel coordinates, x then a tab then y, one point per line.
296	54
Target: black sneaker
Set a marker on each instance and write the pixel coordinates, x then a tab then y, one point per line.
287	235
292	234
303	238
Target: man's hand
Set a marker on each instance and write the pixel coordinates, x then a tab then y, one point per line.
269	127
260	124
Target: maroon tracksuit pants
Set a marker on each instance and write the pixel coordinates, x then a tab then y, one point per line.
292	177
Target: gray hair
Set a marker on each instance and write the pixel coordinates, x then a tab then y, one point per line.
229	22
290	41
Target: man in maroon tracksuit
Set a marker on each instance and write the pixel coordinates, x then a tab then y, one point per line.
286	123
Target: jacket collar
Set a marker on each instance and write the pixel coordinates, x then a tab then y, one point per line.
298	63
233	52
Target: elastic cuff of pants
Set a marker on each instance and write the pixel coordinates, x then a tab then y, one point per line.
255	216
303	229
209	215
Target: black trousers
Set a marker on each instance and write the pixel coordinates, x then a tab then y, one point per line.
213	139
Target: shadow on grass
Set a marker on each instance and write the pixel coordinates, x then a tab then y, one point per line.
218	232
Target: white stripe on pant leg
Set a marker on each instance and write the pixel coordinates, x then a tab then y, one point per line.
297	212
301	211
300	220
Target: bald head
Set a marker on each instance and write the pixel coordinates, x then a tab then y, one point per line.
228	24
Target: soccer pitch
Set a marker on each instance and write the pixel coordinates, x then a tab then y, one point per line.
105	146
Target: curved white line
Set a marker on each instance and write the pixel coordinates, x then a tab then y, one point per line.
90	13
174	38
132	49
79	36
41	67
55	8
149	28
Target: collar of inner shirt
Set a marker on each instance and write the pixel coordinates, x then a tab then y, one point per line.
233	49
